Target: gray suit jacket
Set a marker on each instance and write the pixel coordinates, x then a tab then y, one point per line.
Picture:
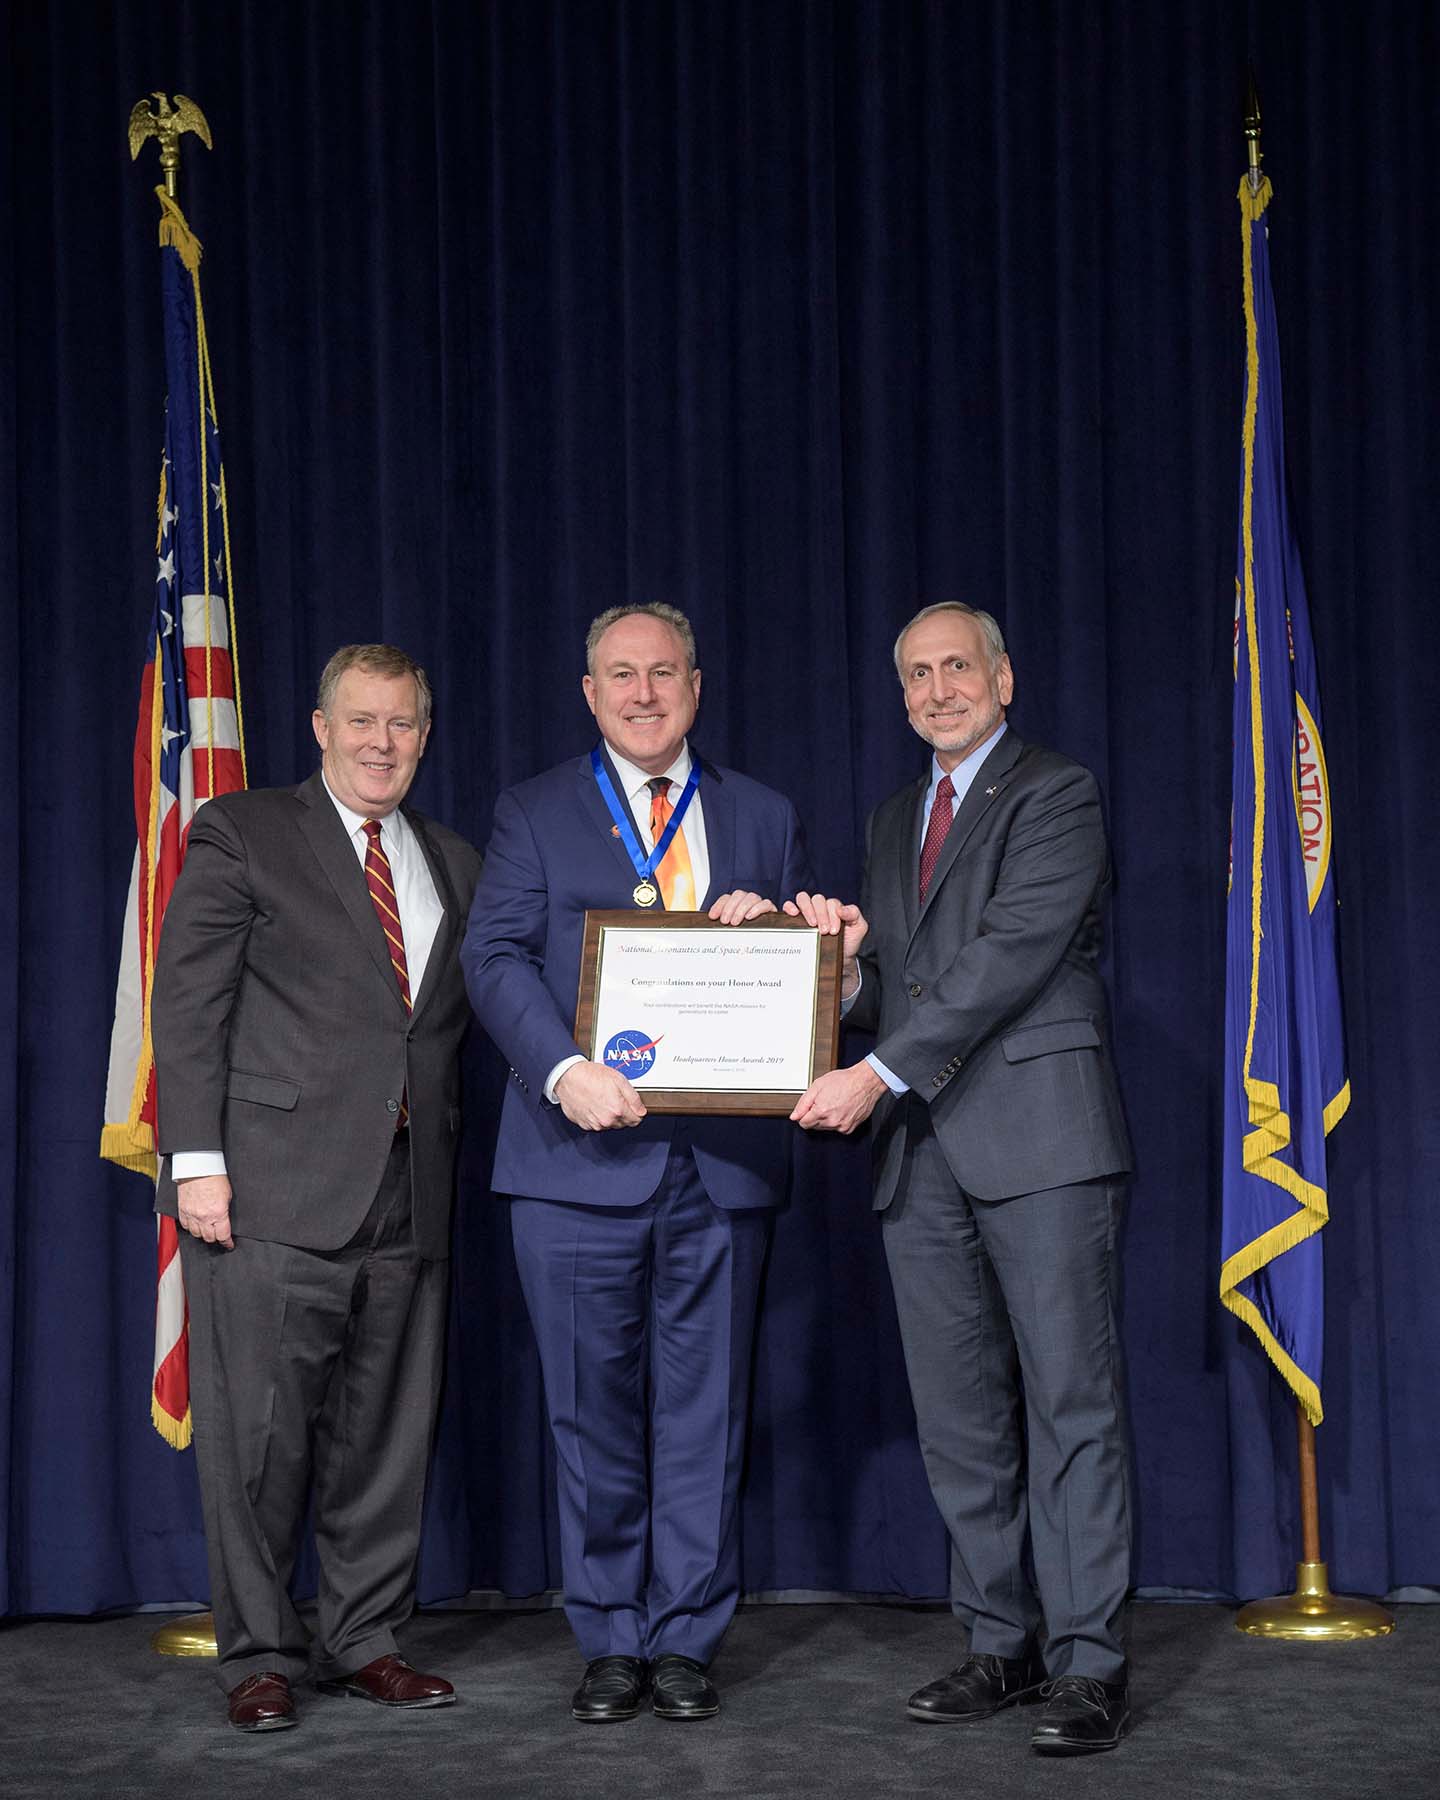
988	1000
279	1030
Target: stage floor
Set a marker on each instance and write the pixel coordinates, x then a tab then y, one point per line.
813	1703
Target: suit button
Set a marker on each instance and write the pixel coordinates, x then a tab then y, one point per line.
939	1081
392	1106
916	990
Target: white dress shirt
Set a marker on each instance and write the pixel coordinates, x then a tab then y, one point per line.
420	914
635	784
635	787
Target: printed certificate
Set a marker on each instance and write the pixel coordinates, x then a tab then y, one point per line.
707	1018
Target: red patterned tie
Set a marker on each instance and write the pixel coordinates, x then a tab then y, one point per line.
381	883
936	832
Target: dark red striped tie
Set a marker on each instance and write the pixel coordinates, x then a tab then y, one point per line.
381	883
936	832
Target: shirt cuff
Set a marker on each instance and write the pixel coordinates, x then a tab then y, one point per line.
891	1080
189	1165
848	1000
569	1062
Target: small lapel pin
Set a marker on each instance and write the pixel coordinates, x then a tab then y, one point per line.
992	792
614	831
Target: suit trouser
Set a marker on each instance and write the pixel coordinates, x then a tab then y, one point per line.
648	1478
326	1364
1007	1315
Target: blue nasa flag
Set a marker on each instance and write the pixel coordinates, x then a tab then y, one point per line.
1285	1082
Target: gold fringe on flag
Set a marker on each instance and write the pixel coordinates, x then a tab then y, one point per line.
177	1433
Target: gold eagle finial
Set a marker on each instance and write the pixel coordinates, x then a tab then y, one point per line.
166	122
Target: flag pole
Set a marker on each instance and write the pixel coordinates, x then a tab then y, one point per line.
1312	1612
1252	129
194	1633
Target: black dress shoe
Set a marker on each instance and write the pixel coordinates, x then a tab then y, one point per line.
978	1689
680	1689
1081	1714
261	1703
612	1689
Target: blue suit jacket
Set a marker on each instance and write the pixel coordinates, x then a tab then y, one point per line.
554	854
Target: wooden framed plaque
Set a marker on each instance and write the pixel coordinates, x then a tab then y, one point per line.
708	1018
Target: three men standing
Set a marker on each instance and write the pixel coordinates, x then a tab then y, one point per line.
308	1002
308	1011
999	1148
640	1239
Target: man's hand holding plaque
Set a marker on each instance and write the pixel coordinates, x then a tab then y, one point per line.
740	907
831	917
598	1099
843	1099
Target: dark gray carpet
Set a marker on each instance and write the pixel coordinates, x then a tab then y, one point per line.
814	1703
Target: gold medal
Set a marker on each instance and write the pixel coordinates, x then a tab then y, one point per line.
645	894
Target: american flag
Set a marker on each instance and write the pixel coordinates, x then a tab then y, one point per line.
188	747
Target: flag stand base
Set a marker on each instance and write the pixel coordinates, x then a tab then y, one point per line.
193	1635
1312	1612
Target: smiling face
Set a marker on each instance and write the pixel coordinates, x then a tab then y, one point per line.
372	740
642	693
955	699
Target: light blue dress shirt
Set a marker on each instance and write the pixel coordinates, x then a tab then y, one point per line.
961	777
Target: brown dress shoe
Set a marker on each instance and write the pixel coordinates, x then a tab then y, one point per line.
262	1703
390	1681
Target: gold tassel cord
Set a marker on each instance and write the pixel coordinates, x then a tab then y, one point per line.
175	232
229	582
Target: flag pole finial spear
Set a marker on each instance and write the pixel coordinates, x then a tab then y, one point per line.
1252	129
166	122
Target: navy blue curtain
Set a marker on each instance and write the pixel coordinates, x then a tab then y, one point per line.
800	315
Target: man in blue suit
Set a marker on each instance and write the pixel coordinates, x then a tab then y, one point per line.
640	1240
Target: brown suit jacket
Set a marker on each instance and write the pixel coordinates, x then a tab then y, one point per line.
279	1030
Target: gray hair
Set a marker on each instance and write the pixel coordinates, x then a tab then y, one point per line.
990	632
374	659
654	609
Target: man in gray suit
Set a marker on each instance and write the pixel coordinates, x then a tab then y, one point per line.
999	1152
308	1011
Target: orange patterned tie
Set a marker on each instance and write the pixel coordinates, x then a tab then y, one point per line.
381	883
675	875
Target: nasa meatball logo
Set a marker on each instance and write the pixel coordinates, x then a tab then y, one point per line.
632	1053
